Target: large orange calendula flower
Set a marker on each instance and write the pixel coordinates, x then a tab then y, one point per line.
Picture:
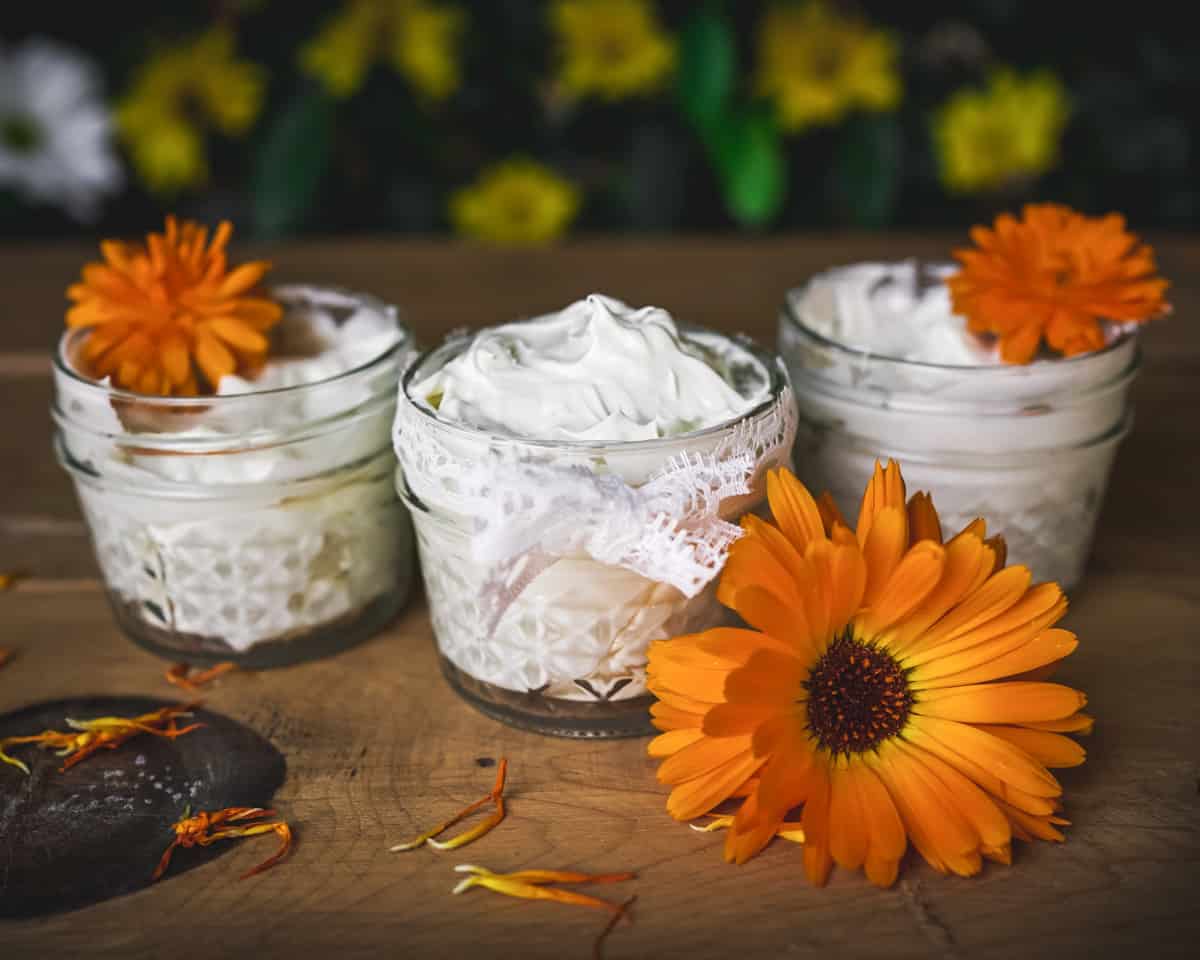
890	683
164	312
1055	274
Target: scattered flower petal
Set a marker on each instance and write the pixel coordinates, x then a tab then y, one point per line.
494	797
181	675
103	733
198	831
532	885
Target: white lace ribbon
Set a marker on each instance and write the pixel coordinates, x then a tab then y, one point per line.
526	509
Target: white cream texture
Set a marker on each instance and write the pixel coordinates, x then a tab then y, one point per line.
278	553
899	310
596	371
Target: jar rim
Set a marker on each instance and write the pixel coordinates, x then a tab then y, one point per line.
773	366
862	353
295	292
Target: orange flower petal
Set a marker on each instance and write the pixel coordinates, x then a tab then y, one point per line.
885	546
703	756
884	491
995	660
989	760
794	509
672	741
1012	702
814	821
1050	749
913	579
699	795
238	335
831	516
242	278
768	677
213	358
923	522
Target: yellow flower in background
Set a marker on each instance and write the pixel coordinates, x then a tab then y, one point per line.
987	138
611	49
174	94
818	65
516	203
425	48
418	39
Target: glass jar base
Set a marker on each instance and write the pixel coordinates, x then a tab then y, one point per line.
309	643
552	716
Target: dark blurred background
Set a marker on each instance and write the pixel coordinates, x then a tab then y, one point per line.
520	121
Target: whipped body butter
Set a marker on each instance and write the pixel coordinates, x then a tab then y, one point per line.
575	481
259	524
882	367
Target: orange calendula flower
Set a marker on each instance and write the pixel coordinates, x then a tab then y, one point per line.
495	797
169	315
182	676
7	580
5	656
1055	275
103	733
890	683
205	829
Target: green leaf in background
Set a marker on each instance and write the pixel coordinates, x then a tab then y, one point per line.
748	153
865	173
707	68
290	162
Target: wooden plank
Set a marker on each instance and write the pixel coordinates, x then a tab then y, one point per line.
376	752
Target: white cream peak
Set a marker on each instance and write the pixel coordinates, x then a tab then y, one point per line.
598	370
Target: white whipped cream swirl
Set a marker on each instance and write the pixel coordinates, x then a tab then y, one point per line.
597	371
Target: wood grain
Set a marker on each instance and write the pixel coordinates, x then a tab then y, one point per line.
378	748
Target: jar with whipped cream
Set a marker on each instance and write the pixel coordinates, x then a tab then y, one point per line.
259	525
575	481
882	367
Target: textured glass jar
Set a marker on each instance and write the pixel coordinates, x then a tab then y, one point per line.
1029	448
558	646
258	527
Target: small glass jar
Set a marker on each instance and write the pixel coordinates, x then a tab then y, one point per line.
260	527
1027	447
555	642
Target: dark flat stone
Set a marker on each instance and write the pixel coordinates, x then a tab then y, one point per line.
98	830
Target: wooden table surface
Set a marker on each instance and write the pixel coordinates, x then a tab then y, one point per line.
378	747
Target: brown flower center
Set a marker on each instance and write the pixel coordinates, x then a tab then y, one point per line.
858	696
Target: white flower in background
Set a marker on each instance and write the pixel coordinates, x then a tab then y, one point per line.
55	130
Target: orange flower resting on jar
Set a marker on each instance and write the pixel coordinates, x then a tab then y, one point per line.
890	684
170	316
1055	275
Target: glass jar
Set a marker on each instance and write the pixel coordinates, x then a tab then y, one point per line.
261	526
553	639
1027	447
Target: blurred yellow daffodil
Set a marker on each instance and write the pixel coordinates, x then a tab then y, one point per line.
1010	130
418	39
516	203
818	65
611	49
174	95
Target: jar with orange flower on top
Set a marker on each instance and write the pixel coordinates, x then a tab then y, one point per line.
884	365
258	523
